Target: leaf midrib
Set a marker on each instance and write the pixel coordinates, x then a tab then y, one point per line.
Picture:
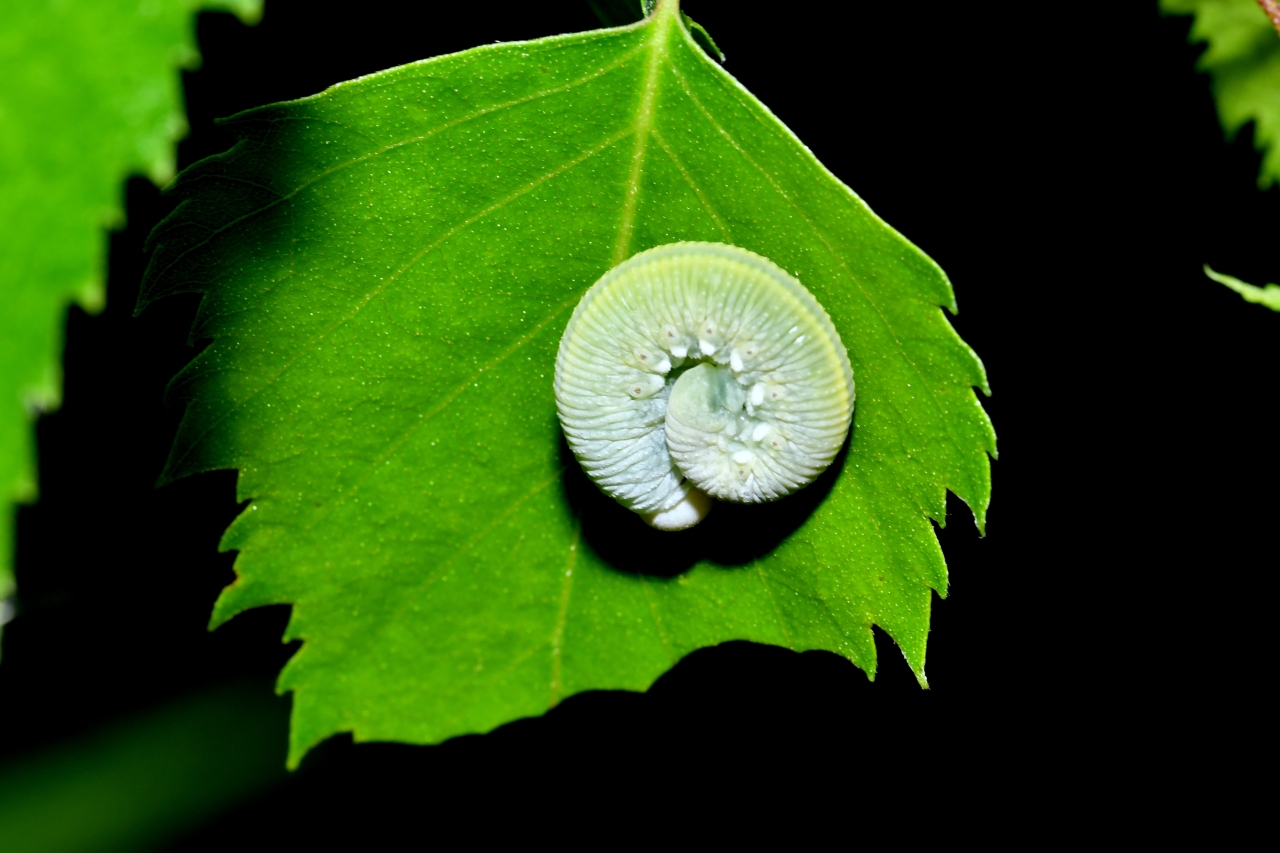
657	45
642	127
384	148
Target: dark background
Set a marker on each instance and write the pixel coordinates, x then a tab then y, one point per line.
1069	173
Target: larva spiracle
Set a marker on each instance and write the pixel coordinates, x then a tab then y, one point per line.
696	372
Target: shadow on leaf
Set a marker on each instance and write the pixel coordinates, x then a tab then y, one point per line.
732	535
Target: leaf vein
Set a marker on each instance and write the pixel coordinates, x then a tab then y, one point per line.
706	203
817	232
557	634
442	405
657	620
390	146
643	127
388	281
773	602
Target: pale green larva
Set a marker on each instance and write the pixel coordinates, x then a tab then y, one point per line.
696	372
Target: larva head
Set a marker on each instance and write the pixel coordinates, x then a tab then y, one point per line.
696	371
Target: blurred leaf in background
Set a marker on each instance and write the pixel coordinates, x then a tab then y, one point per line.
1243	58
135	784
1268	296
90	95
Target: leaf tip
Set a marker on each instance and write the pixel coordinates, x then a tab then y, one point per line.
702	38
226	607
303	739
980	512
916	669
297	751
166	477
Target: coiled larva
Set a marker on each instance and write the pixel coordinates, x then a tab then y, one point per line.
695	372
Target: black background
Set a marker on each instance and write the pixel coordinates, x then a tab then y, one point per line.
1105	640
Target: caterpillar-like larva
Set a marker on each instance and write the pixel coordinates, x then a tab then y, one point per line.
696	372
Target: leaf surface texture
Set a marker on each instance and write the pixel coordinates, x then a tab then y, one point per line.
90	95
387	268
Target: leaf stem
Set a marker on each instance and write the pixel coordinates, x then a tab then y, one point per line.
1268	296
1272	8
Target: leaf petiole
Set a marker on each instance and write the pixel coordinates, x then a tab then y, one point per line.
1268	296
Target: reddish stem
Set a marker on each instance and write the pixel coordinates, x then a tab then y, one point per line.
1272	8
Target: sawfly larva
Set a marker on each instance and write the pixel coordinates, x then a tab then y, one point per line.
697	372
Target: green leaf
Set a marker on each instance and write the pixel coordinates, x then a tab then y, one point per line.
146	778
1243	59
1268	296
90	95
702	37
387	269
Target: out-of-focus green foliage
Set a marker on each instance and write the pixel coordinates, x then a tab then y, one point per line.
387	268
1268	296
140	781
1243	59
90	94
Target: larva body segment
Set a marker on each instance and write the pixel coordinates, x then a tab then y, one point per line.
701	370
